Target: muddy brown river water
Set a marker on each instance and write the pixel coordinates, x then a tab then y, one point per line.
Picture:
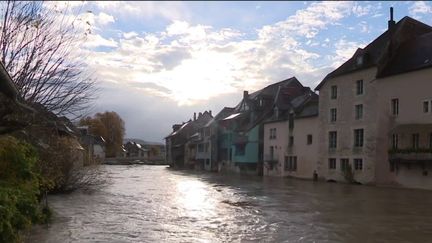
155	204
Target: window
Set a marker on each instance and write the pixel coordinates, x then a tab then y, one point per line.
333	94
333	114
425	106
358	164
344	163
332	163
415	140
359	87
395	141
290	163
358	112
291	141
332	139
294	163
358	137
272	133
309	139
395	107
271	153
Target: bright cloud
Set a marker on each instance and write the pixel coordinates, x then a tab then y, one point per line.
420	7
164	54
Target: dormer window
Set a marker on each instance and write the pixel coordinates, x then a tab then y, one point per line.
261	102
360	60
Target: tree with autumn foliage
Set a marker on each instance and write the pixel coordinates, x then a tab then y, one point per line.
108	125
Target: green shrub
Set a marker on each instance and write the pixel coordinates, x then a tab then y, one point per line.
19	189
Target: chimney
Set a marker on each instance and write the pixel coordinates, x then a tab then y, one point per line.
391	22
199	115
245	94
210	112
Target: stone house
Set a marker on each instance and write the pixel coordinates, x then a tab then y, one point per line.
375	106
291	133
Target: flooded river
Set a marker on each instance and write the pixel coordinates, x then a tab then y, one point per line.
155	204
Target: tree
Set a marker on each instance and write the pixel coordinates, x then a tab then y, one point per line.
110	126
38	46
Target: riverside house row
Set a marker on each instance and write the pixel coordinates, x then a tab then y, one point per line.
371	122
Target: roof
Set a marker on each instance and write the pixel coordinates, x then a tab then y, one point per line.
226	111
412	55
388	49
285	95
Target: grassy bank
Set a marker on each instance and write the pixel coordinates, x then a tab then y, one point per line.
20	189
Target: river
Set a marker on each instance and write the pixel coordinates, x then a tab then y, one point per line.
156	204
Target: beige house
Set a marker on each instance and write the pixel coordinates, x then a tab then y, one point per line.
375	118
290	135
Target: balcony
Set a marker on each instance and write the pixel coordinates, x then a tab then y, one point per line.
410	155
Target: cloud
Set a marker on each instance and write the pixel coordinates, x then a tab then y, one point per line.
308	22
95	40
344	50
419	8
360	10
145	9
191	64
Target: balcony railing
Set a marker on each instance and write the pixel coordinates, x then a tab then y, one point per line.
410	155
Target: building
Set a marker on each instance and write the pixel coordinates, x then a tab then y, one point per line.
197	153
93	145
218	144
375	120
291	133
135	151
243	129
182	142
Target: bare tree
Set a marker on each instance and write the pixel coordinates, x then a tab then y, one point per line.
38	47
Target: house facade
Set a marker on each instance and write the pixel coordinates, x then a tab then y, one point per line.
290	135
373	111
182	143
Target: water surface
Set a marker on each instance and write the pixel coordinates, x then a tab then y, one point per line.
155	204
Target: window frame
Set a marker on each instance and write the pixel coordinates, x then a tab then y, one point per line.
394	106
333	92
332	164
359	87
426	106
358	112
333	114
309	139
332	144
359	137
344	166
358	164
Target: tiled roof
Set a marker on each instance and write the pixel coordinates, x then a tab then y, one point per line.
387	48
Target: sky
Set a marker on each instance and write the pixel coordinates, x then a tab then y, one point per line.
156	63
